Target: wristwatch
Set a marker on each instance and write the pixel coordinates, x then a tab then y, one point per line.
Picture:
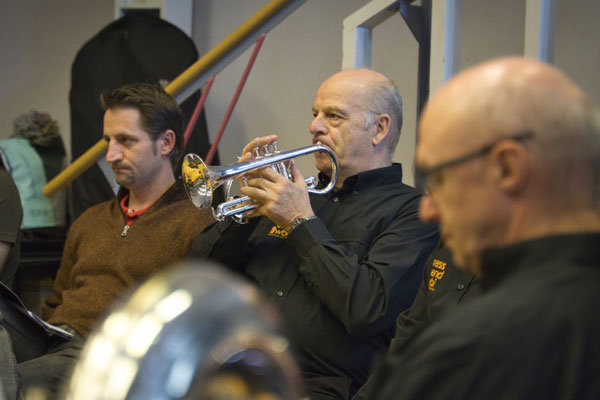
300	220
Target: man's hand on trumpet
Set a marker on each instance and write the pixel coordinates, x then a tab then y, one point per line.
256	143
278	198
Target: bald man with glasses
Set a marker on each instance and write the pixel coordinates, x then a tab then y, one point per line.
510	152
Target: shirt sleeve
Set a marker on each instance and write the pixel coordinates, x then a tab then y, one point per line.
417	315
10	210
225	243
366	295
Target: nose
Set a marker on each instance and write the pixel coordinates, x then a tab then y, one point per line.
317	125
114	152
428	209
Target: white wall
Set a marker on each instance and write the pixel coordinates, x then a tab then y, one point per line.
491	28
38	43
40	38
295	58
306	48
577	49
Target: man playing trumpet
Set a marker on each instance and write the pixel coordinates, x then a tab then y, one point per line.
340	267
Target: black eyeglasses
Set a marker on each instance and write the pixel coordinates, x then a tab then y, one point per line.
423	174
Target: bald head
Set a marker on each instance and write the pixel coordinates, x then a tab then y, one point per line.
510	149
377	94
508	96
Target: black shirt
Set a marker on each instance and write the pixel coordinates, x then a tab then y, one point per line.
339	281
533	334
11	216
443	287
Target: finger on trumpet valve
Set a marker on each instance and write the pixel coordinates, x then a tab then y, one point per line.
241	208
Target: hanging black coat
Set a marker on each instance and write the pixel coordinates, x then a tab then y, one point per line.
138	47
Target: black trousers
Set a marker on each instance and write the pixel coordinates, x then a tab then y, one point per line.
31	357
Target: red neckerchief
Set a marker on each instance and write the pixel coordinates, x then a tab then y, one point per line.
130	215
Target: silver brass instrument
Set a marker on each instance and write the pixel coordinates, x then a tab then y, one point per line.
195	331
200	181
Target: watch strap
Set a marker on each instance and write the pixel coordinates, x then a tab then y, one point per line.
300	220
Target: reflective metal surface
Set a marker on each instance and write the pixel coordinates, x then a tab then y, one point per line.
193	332
200	181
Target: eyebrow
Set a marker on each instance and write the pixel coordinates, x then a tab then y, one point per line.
328	109
119	136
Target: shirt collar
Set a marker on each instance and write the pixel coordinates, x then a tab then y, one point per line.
175	192
131	215
368	179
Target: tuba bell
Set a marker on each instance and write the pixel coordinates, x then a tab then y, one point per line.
200	180
195	331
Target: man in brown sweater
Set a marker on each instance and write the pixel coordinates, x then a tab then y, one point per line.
113	246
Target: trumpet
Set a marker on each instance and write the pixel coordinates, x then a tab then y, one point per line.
200	180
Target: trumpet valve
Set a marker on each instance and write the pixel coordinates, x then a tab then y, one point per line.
266	150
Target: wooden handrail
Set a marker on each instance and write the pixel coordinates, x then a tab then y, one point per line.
87	159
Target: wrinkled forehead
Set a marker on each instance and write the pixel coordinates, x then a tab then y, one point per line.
341	91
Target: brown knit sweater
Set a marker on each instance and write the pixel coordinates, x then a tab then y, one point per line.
99	265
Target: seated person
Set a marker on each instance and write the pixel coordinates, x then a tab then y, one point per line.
43	137
339	267
510	151
113	246
11	215
443	287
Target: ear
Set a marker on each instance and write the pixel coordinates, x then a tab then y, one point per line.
383	128
512	167
166	142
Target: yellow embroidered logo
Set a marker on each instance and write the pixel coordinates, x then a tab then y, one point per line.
437	272
278	232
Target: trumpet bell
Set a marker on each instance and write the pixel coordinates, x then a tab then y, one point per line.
198	181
